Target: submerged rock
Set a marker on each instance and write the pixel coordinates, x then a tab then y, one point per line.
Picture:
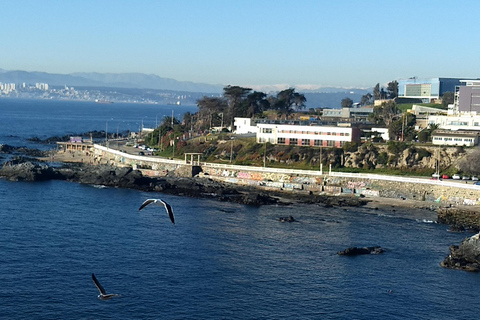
464	257
287	219
353	251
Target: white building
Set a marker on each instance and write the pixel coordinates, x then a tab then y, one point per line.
465	121
455	138
245	125
383	133
325	136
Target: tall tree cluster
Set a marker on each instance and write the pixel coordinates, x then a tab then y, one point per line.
243	102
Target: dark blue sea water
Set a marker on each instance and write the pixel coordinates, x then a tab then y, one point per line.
22	119
219	261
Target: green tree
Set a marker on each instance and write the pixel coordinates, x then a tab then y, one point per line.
392	89
208	110
385	113
287	100
235	96
423	136
347	103
403	128
257	103
376	92
366	99
447	98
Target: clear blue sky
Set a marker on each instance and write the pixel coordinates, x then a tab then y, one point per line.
248	42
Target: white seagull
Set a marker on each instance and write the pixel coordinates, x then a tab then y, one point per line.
103	294
159	202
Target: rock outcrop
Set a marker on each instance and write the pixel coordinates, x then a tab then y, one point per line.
353	251
466	256
125	177
459	219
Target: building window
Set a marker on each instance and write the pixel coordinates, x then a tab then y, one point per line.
281	140
330	143
267	130
318	143
305	142
294	141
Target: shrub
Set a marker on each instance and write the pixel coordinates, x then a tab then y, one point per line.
396	147
382	158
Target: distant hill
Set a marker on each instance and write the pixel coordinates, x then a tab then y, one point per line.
114	80
147	81
326	97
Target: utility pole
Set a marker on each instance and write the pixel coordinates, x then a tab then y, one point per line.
265	154
321	165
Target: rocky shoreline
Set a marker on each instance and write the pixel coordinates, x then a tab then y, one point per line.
26	169
22	164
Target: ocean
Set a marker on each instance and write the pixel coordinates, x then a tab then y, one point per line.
219	260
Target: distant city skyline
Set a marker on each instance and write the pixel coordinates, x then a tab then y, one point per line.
269	43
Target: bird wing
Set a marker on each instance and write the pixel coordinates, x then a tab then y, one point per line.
169	211
98	285
146	203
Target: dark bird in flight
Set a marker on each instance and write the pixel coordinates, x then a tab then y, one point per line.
160	202
103	294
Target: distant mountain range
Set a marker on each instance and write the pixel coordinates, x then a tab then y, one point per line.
114	80
316	96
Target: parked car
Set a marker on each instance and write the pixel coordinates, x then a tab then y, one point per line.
474	178
445	176
435	176
465	178
477	183
141	153
456	177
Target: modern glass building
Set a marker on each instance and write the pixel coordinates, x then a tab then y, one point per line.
426	90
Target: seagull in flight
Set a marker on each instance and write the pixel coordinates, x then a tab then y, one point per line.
159	202
103	294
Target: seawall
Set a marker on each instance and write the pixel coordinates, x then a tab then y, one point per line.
446	193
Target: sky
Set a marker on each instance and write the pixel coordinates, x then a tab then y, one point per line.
301	43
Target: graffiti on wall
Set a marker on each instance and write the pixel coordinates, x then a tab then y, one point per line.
370	193
355	184
469	202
